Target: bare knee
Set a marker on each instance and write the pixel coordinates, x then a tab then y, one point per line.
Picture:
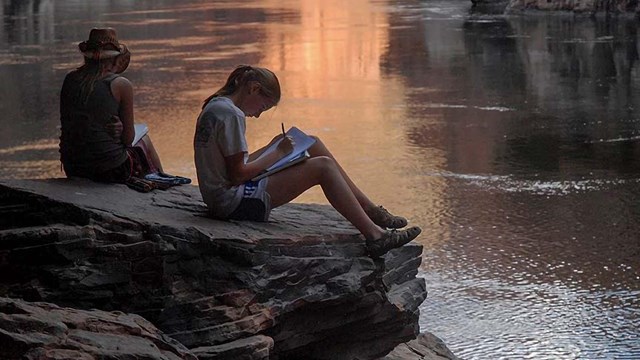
323	167
318	149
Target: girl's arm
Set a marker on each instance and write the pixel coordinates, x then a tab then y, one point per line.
240	172
122	91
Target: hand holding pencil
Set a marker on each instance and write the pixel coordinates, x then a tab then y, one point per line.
286	145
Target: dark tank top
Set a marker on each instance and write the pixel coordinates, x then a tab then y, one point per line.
86	148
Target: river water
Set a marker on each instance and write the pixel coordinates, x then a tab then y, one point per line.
512	141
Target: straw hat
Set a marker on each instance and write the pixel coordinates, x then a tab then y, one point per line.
102	44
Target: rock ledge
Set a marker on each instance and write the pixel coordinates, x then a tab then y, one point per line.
297	287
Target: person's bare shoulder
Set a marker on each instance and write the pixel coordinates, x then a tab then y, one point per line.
121	81
121	87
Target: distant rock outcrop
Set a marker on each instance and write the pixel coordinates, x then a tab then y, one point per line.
590	7
298	287
577	6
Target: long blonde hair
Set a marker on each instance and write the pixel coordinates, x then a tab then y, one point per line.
242	75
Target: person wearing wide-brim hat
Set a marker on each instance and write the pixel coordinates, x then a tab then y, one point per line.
102	44
96	114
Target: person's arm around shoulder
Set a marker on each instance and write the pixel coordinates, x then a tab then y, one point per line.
122	91
240	172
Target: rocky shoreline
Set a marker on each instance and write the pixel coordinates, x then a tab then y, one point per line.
89	270
588	7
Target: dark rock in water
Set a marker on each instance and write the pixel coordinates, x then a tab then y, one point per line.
298	287
489	7
425	347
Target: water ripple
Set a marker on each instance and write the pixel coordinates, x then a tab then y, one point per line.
510	184
530	320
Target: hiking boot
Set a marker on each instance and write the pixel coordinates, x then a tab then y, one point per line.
383	218
391	239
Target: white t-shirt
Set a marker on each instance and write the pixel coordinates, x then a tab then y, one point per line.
220	132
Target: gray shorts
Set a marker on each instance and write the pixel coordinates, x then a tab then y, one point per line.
256	202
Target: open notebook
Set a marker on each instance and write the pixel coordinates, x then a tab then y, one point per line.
302	143
140	131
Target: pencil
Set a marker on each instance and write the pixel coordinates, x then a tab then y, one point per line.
283	133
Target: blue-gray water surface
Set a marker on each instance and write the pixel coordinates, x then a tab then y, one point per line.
512	141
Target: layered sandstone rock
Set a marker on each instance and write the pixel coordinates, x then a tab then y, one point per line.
46	331
299	286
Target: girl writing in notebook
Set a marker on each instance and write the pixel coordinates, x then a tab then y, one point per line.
225	166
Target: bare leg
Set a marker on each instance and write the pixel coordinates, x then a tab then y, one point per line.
288	184
319	149
153	154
